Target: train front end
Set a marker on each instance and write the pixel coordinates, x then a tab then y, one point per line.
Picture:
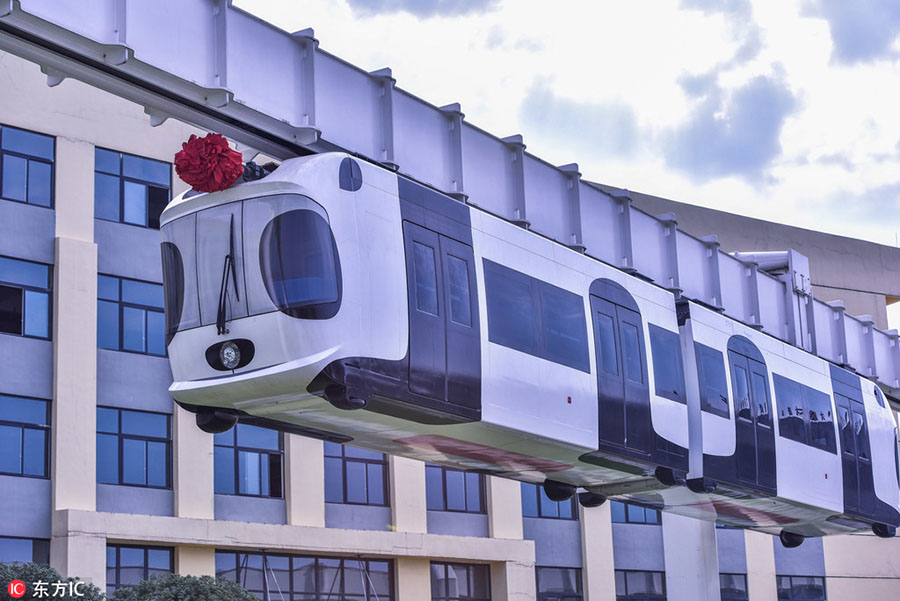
255	294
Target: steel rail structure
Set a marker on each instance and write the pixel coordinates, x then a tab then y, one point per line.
223	69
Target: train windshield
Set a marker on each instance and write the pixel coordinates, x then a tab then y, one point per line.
300	266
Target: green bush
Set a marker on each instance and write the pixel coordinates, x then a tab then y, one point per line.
173	587
30	573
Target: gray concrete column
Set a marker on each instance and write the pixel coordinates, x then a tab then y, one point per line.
692	563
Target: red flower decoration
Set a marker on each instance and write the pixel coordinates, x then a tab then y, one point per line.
208	164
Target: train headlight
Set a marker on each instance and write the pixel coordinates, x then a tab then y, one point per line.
230	355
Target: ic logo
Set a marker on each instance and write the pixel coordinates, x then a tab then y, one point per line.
16	589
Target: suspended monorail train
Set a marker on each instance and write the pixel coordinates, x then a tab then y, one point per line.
338	300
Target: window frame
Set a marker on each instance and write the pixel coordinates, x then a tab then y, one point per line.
660	341
236	556
28	158
781	384
482	504
120	437
539	494
236	464
470	569
790	579
385	475
28	287
627	514
746	587
577	595
640	596
121	306
538	289
707	389
44	542
122	179
23	426
117	569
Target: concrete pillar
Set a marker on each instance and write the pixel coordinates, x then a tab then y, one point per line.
193	467
861	566
597	553
74	427
408	509
513	581
413	578
692	563
78	555
504	507
761	583
304	480
195	561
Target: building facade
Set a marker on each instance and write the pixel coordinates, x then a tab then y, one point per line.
106	479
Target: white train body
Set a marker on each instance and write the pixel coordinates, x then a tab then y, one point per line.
366	307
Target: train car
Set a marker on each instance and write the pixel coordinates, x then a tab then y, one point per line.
781	440
336	299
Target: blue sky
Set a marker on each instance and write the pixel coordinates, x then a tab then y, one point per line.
785	110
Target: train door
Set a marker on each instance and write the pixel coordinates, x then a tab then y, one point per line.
754	436
856	458
623	393
444	347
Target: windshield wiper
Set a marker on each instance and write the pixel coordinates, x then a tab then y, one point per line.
223	288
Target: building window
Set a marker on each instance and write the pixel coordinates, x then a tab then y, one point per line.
559	584
807	588
130	189
248	461
448	489
634	585
130	316
626	513
733	587
277	577
24	550
460	582
355	476
133	448
24	436
536	504
26	166
127	565
24	298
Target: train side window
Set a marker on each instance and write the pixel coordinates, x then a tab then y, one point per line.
608	349
667	366
742	394
426	278
300	266
460	301
173	286
821	421
862	436
879	397
510	305
565	336
713	386
631	352
789	395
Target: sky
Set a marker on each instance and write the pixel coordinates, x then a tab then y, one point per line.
786	110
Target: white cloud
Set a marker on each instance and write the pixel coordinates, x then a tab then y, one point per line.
623	69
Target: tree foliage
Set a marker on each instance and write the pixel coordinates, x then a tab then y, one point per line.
32	573
173	587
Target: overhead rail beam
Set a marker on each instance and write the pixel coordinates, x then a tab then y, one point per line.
272	91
